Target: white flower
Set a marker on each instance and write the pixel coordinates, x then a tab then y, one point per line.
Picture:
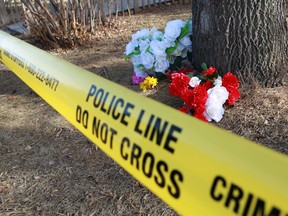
157	35
218	81
214	110
161	64
143	33
144	44
173	29
136	60
157	48
186	41
168	43
147	60
219	93
130	47
194	81
140	73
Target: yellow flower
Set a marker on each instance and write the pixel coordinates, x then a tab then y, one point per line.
148	83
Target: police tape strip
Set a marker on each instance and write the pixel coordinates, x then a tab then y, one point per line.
196	168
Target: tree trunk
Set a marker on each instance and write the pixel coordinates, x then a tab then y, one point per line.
248	37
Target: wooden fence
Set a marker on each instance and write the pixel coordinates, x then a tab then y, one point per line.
12	11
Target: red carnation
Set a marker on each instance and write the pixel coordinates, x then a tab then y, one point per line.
196	98
207	85
231	83
210	71
234	94
179	84
200	115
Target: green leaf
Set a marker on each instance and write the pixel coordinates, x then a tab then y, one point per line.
170	50
202	77
204	66
185	30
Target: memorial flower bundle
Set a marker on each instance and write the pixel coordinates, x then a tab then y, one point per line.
152	51
205	94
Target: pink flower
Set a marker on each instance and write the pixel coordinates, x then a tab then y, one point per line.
136	80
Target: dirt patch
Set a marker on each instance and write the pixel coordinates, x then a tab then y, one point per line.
48	168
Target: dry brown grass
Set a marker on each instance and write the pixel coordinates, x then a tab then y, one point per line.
49	168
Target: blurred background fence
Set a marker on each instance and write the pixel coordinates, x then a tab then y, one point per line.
12	11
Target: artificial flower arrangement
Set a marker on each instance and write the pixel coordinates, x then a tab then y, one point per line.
204	94
152	51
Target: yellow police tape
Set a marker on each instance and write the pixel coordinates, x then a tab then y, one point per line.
196	168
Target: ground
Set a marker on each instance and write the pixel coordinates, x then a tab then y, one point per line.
48	168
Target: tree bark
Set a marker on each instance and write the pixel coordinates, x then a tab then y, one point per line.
248	37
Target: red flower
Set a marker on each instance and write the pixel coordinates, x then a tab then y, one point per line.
179	85
231	83
234	94
210	71
169	74
196	99
200	115
207	85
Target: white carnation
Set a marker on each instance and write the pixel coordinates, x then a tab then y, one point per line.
147	60
194	81
161	64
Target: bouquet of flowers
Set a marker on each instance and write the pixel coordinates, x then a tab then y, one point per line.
152	51
204	94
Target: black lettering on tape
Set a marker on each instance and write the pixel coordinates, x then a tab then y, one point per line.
172	138
161	167
260	209
91	92
148	162
174	189
118	108
135	155
158	171
217	180
82	116
158	130
235	195
126	112
125	141
102	130
248	205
